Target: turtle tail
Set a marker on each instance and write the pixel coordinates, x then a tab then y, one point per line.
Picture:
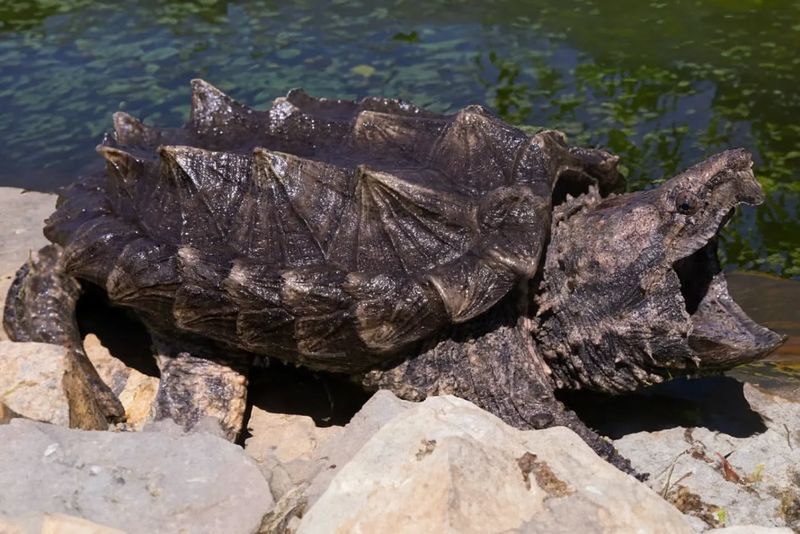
40	307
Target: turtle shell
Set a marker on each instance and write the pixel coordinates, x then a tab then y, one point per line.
331	233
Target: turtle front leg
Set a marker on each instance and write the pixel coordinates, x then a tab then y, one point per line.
41	307
497	370
193	388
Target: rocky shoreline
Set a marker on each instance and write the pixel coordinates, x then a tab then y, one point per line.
442	465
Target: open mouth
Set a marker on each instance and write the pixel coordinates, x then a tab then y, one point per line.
721	335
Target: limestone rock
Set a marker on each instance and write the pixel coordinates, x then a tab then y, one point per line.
137	398
6	414
23	215
726	480
133	481
284	446
750	529
53	524
293	452
135	390
332	455
444	465
288	437
30	381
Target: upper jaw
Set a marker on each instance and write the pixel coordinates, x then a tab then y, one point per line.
721	334
718	184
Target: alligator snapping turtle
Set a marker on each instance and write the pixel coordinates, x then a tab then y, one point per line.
423	253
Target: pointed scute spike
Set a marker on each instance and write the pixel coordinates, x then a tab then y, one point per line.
115	155
129	130
186	157
267	163
180	153
281	163
169	153
176	161
370	178
299	97
202	89
120	164
443	205
214	112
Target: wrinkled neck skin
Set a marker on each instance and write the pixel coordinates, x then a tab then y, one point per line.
583	356
584	330
585	342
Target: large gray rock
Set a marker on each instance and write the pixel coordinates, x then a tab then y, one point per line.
726	480
444	465
163	481
30	381
22	217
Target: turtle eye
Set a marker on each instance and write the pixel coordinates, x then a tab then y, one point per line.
686	203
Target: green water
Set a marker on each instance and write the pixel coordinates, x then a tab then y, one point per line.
661	83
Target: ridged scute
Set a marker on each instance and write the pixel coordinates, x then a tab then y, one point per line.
329	232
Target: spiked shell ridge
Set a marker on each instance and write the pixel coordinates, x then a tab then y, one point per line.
328	232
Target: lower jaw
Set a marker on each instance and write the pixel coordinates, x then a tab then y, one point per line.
723	336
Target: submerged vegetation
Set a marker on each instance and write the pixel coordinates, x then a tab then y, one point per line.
660	84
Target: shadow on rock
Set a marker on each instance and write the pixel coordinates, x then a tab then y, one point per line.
119	331
716	403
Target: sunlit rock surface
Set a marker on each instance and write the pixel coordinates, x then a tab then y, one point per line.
446	466
22	217
725	480
163	481
31	381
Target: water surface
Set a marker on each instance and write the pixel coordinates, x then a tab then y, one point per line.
662	84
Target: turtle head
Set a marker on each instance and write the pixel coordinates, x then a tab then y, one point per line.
633	291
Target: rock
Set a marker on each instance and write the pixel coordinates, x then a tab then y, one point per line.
287	437
135	390
137	398
726	480
23	218
283	445
6	414
433	466
53	524
332	455
293	452
30	381
750	529
133	481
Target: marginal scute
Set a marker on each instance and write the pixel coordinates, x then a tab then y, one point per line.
396	312
469	286
95	247
200	306
145	277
